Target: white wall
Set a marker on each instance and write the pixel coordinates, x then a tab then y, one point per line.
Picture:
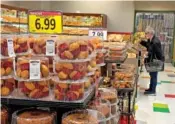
155	5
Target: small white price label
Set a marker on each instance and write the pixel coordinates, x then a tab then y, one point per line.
10	47
98	33
35	69
50	47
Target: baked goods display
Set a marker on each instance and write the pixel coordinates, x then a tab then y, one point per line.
100	58
73	70
7	66
68	90
4	115
91	66
23	67
75	30
96	42
87	116
102	106
78	20
119	37
73	49
10	28
7	86
33	89
34	116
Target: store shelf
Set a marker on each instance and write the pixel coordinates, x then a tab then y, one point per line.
47	102
17	23
115	61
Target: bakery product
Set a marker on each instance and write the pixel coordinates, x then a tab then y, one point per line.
35	116
4	115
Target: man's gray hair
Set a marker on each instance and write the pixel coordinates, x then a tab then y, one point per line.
149	30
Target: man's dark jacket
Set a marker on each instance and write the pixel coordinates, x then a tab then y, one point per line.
154	49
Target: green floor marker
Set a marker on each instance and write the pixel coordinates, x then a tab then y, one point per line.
160	105
165	81
164	110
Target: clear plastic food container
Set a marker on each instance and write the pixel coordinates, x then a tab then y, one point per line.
124	67
71	70
73	49
122	84
44	45
33	89
116	58
91	66
118	48
7	64
87	116
34	116
117	53
21	44
4	45
68	90
102	106
108	94
88	83
4	115
100	58
7	86
24	64
124	76
96	42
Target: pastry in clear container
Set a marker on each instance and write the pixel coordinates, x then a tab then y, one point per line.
102	106
7	86
123	76
74	49
97	43
122	84
91	66
88	83
100	58
34	116
39	46
23	67
68	90
73	70
7	66
4	115
21	45
87	116
34	89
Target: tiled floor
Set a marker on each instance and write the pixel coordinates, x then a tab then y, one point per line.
145	110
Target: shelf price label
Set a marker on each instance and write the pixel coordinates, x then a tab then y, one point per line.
49	22
102	33
35	69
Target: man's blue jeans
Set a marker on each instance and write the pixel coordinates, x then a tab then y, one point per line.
153	81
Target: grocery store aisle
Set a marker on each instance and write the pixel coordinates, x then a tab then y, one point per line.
159	109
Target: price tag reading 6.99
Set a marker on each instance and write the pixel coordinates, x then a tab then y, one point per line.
45	22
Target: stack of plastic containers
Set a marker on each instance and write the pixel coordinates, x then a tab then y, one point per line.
85	116
33	73
71	67
7	65
110	95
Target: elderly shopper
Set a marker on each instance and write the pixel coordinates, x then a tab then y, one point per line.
154	48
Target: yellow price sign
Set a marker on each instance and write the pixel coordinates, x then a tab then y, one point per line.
49	22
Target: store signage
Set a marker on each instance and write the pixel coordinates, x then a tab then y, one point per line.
35	69
49	22
10	48
102	33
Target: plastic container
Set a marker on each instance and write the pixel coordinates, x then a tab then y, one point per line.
44	45
116	47
88	83
123	76
33	89
4	115
87	116
68	90
124	68
97	43
91	66
7	86
23	67
34	116
21	44
117	53
73	49
4	45
7	66
100	58
122	84
108	94
102	106
71	70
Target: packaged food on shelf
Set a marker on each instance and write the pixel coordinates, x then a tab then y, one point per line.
12	28
7	86
87	116
88	83
4	115
91	66
116	58
123	76
96	42
39	64
100	58
34	116
43	45
102	106
124	67
68	90
122	84
73	70
7	64
21	45
73	49
115	37
33	89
